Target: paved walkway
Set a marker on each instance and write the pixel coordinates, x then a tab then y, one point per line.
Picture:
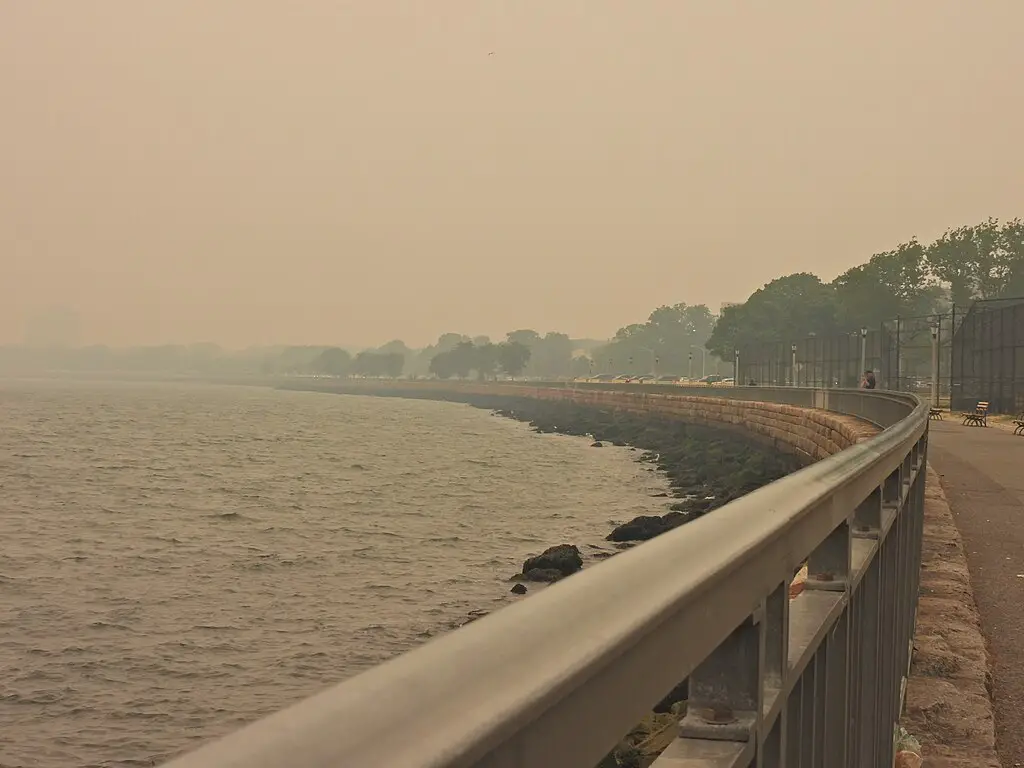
982	473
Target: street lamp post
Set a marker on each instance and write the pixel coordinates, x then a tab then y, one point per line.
792	352
654	360
935	362
863	350
703	360
689	373
736	365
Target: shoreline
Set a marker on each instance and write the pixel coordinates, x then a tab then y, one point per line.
705	467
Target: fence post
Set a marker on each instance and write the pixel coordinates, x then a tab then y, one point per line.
952	352
899	358
863	351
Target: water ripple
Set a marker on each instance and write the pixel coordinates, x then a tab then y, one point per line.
176	560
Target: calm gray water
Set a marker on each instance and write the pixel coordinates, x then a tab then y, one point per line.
177	560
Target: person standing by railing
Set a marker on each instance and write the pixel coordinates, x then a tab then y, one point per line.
869	381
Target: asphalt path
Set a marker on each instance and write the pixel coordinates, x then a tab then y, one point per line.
982	472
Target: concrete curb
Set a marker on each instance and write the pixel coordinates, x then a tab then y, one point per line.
948	703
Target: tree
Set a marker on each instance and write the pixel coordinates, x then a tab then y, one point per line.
333	361
550	354
486	360
581	367
528	338
786	309
550	357
1012	243
441	365
379	364
974	261
393	364
890	284
463	359
513	357
663	343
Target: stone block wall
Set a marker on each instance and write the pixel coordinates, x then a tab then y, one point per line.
809	433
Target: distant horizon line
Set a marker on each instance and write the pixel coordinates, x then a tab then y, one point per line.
248	347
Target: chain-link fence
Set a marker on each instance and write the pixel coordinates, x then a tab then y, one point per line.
917	346
961	357
817	361
988	356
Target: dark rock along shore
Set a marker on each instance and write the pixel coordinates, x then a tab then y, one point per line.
706	468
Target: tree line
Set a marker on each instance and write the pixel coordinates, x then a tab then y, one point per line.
981	261
486	359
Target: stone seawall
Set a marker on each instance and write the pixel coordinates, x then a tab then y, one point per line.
809	433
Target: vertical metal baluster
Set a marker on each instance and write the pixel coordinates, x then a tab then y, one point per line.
868	670
837	684
776	671
808	704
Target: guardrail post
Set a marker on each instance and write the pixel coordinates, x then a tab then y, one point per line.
892	489
828	567
867	518
726	688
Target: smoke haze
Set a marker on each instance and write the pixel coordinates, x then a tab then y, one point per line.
350	172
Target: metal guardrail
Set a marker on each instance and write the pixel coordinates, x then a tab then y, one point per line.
558	679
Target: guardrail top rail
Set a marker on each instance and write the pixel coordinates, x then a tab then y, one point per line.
560	678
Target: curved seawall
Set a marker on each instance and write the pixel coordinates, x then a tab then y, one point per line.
810	433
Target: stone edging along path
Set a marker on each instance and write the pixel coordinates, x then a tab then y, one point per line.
948	701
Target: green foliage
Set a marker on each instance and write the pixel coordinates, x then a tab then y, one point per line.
550	354
789	307
333	361
663	344
513	358
441	365
379	364
984	261
581	367
484	358
890	284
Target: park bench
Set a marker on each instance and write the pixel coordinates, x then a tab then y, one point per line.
935	413
979	416
1018	424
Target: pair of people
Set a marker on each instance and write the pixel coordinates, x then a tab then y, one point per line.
868	382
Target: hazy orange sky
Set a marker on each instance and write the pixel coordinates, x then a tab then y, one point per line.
257	171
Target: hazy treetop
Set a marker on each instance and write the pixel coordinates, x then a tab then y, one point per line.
268	172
